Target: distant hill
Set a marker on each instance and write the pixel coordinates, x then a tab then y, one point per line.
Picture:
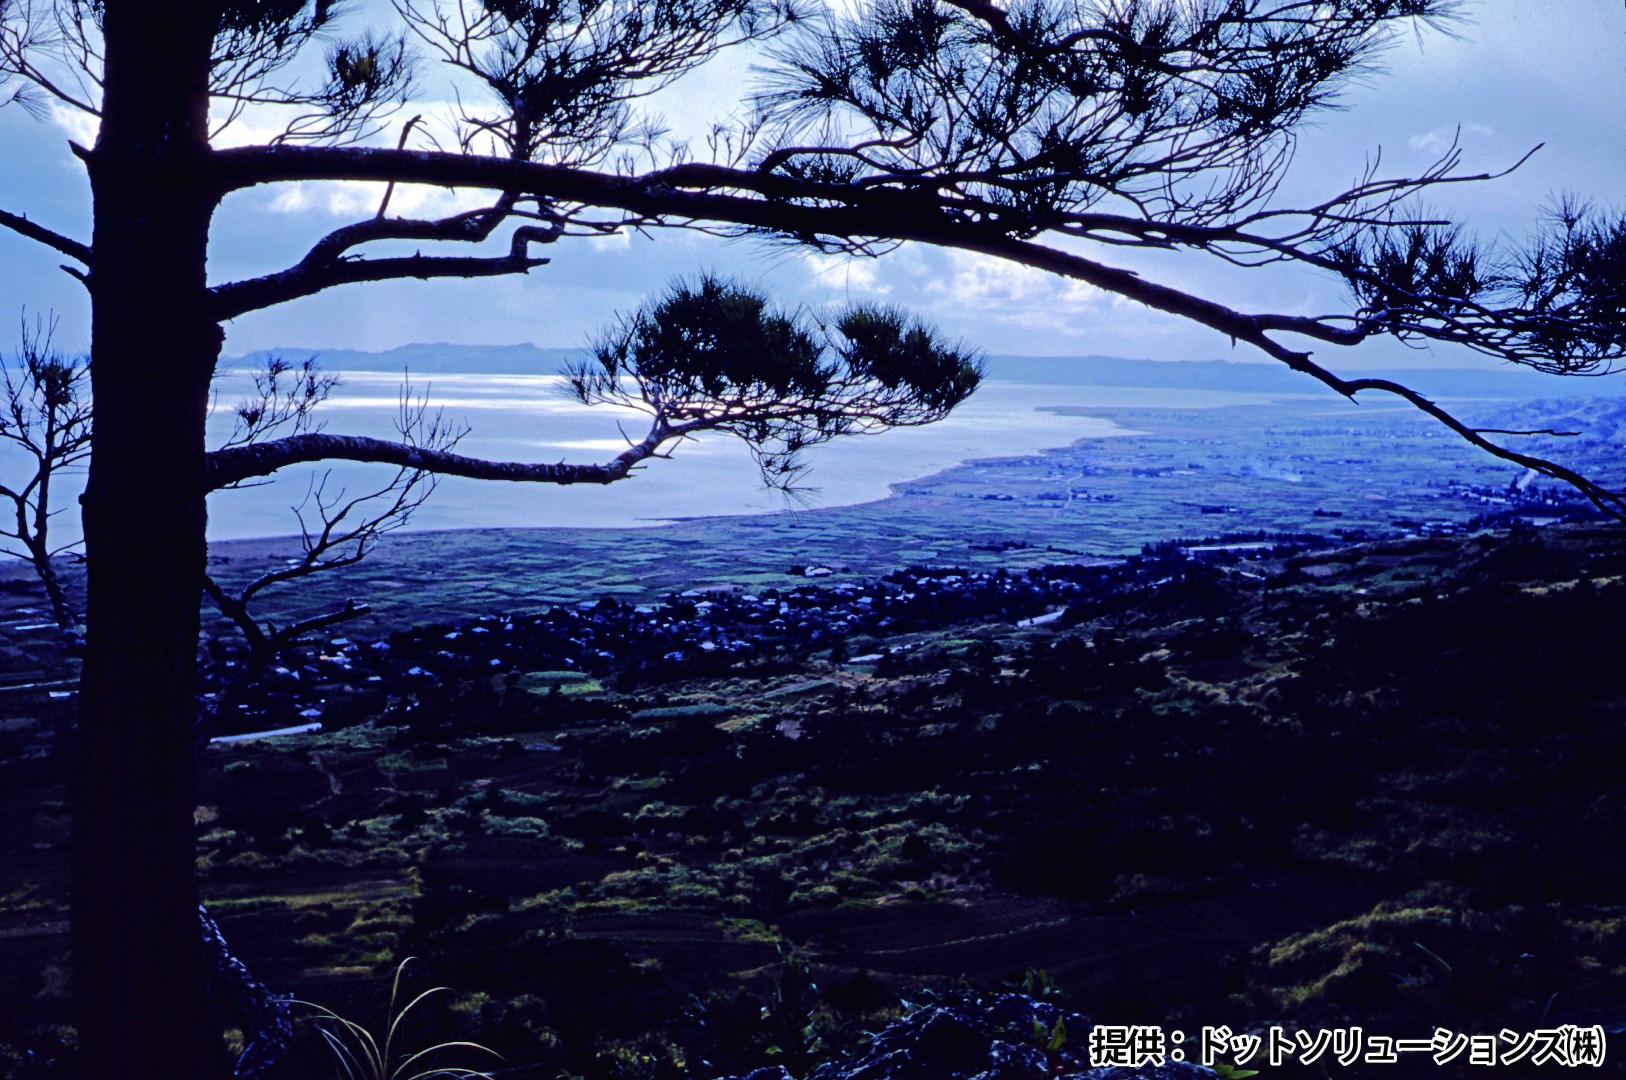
432	359
1053	370
1275	379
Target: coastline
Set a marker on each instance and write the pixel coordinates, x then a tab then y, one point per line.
1324	469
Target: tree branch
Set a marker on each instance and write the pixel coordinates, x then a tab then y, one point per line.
825	210
284	636
238	463
804	209
73	249
310	277
470	227
235	609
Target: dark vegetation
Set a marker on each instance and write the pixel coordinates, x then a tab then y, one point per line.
1271	781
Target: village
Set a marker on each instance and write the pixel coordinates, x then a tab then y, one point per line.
693	634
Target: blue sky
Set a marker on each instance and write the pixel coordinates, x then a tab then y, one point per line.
1516	74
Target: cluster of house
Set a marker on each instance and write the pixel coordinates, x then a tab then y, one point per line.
694	633
700	633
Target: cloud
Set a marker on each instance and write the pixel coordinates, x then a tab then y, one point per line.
1441	139
616	241
81	127
846	273
352	199
996	290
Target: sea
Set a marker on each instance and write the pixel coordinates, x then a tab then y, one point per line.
529	418
1024	406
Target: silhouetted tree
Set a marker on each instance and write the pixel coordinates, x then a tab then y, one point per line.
336	529
1050	133
46	413
45	417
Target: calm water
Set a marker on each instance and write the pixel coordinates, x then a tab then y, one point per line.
526	418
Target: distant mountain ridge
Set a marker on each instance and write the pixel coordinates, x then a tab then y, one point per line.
431	359
1252	378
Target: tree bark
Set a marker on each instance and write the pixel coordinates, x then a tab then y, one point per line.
140	979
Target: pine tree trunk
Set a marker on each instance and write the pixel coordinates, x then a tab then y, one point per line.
140	981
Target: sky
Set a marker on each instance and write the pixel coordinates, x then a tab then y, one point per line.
1513	75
